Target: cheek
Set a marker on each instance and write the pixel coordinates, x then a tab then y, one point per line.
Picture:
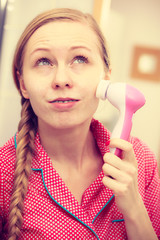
36	97
92	87
95	77
92	101
34	85
37	104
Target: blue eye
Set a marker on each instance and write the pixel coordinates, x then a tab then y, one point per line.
43	62
80	59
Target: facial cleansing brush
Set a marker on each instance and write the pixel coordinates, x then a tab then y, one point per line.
127	100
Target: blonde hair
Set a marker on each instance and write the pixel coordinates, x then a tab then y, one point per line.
28	123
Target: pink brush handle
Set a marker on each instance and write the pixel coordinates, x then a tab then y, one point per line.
133	101
127	126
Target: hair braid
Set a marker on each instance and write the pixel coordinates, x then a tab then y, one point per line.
24	154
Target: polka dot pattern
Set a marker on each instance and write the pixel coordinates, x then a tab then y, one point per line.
52	212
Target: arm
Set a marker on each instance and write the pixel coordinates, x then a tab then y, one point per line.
124	184
138	225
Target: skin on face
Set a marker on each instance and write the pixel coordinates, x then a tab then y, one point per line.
62	61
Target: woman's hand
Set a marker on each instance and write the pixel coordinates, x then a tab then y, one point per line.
121	177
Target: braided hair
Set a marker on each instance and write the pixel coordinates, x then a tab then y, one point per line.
24	154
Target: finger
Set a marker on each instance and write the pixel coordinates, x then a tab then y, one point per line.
120	143
113	160
112	184
126	147
124	166
115	173
110	157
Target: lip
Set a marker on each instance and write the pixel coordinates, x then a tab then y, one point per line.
64	99
64	103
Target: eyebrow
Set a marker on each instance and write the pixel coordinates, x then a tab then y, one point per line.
40	49
83	47
71	49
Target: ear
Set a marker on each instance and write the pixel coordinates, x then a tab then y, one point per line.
22	86
108	74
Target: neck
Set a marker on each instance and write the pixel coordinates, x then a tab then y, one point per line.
69	146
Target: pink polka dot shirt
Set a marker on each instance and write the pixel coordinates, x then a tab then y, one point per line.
52	212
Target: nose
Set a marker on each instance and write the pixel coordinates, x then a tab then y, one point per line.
62	78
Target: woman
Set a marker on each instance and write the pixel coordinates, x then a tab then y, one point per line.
58	179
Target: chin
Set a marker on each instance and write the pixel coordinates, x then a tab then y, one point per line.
65	121
71	123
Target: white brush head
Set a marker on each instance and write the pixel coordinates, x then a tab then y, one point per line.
102	89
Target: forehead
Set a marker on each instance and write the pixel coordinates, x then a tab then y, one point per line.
64	34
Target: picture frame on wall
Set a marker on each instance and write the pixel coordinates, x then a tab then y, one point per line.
146	63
